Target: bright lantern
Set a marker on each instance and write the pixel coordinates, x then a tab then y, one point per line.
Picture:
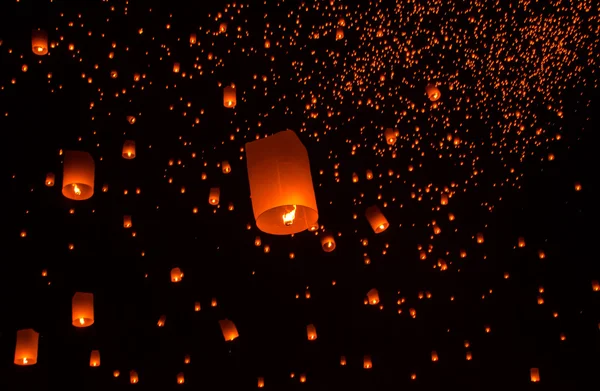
26	351
78	175
83	309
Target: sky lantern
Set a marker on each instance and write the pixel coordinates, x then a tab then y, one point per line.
180	378
78	175
343	361
213	195
480	238
534	373
39	42
339	33
83	309
192	38
444	199
162	320
373	296
127	221
434	356
390	136
261	382
377	220
176	274
327	242
367	362
521	242
267	44
223	27
133	377
176	67
197	306
26	350
281	187
369	174
95	358
225	167
595	286
433	93
49	179
311	332
129	149
228	329
229	97
130	119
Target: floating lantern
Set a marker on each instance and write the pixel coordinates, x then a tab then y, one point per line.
95	358
229	97
480	238
225	167
369	174
390	136
377	220
343	361
228	329
192	38
373	296
535	375
26	350
127	221
327	242
129	149
161	321
433	93
444	199
39	42
521	242
78	175
339	34
213	196
434	356
176	67
281	188
367	362
180	378
176	274
133	377
311	332
130	119
49	179
83	309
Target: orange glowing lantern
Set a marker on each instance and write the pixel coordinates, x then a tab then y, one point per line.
192	38
311	332
78	175
197	306
521	242
161	321
444	199
176	67
267	44
343	361
229	97
367	362
369	175
26	350
223	27
176	274
390	136
127	221
339	34
433	93
225	167
261	382
377	220
480	238
131	119
133	377
534	373
95	358
129	149
180	378
281	188
228	329
213	196
434	356
39	42
373	296
50	179
83	309
327	242
595	286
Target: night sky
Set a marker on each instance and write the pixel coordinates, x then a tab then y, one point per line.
487	273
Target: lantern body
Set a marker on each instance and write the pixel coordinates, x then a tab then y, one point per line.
95	358
83	309
176	274
133	377
229	97
433	93
339	34
373	296
176	67
180	378
127	221
480	238
434	356
50	179
327	242
281	188
444	199
131	119
161	321
343	361
223	27
129	149
390	136
311	332
261	382
213	196
228	329
535	375
39	42
192	38
26	350
377	220
367	363
225	167
78	175
369	174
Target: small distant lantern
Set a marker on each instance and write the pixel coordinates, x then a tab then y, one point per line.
213	302
39	42
480	238
136	77
354	177
367	362
225	167
327	242
229	97
95	358
127	221
187	359
343	361
176	67
176	274
257	241
133	377
78	175
213	196
376	219
50	179
444	199
129	149
390	136
521	242
595	286
192	38
114	74
83	309
311	332
369	174
281	187
339	33
534	373
373	296
162	321
130	119
261	382
267	44
26	350
180	378
434	356
228	329
433	93
223	27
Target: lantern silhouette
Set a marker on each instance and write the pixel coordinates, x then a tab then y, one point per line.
339	34
176	274
213	196
133	377
373	296
367	362
281	188
176	67
444	199
480	238
327	242
161	321
95	358
50	179
26	350
343	361
180	378
434	356
228	329
534	373
197	306
433	93
129	149
83	309
78	175
390	136
127	221
311	332
39	42
521	242
261	382
229	97
131	119
225	167
377	220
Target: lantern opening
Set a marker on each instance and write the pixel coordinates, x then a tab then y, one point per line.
289	217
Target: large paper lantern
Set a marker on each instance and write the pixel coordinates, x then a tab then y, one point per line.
229	97
78	175
39	42
83	309
377	220
228	329
128	149
281	188
26	350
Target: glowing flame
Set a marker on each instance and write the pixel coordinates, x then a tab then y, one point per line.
25	360
81	321
76	189
129	154
289	217
40	49
381	226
